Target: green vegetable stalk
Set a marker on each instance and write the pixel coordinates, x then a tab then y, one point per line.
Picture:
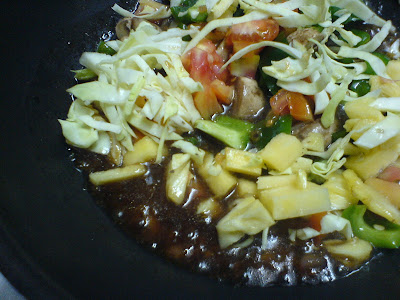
388	237
232	132
84	74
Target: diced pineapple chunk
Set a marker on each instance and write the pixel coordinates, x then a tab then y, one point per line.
243	162
281	152
359	126
208	208
144	150
118	174
390	190
249	216
393	69
220	181
374	200
291	202
389	88
314	142
246	188
369	164
339	191
178	175
360	109
269	182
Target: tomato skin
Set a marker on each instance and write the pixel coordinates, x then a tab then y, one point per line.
204	64
223	92
244	34
315	220
391	174
206	103
297	105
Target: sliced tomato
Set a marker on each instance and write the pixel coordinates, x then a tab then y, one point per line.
391	173
280	103
206	103
223	92
204	63
315	220
244	34
300	107
285	102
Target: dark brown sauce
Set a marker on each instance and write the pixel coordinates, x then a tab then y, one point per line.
141	209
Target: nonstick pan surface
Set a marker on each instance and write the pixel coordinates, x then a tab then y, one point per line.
55	242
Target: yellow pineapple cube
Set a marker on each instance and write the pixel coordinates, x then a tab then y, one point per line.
282	151
339	191
360	109
243	162
144	150
246	188
219	180
117	174
270	182
369	164
291	202
393	69
314	142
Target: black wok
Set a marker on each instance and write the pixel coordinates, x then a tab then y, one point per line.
54	240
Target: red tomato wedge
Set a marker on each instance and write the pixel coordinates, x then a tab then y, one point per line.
204	63
244	34
285	102
223	92
206	103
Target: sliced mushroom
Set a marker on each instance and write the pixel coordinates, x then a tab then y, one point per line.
303	35
302	130
249	100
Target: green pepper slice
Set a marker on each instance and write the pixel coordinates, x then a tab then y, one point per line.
104	48
263	134
360	223
383	57
189	11
361	87
232	132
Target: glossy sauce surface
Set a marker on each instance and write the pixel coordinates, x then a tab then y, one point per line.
141	209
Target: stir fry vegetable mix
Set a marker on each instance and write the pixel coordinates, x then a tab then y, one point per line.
253	75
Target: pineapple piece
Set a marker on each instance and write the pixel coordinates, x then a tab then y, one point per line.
369	164
360	109
208	208
291	202
249	216
359	125
144	150
314	142
282	151
393	69
270	182
339	191
390	190
375	201
243	162
389	88
118	174
220	181
178	175
246	188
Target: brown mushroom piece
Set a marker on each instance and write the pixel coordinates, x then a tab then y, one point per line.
303	35
302	130
249	100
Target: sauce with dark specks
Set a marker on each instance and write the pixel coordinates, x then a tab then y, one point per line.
140	208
